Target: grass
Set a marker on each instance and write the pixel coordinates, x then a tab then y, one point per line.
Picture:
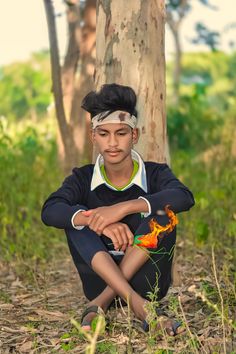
28	159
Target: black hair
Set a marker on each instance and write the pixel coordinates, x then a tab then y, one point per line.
111	97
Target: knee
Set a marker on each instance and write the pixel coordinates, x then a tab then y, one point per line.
71	233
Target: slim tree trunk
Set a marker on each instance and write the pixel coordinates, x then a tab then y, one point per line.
174	27
80	120
72	55
64	127
130	51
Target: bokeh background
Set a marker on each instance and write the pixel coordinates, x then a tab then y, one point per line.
201	120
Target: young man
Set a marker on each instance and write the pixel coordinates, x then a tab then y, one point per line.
102	206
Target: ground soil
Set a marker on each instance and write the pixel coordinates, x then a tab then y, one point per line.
35	314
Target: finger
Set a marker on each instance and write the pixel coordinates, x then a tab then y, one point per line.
123	236
99	225
112	236
114	241
87	212
92	220
118	238
129	235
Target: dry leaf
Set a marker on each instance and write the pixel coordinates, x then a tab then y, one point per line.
24	348
17	284
28	329
6	306
51	316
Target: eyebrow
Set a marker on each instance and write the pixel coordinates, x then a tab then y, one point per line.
108	131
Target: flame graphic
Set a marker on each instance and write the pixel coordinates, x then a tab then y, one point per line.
151	239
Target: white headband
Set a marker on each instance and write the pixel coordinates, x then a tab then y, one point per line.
114	117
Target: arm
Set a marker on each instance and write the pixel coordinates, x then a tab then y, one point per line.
60	207
98	219
169	191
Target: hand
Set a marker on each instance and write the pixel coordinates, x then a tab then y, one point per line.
120	235
101	217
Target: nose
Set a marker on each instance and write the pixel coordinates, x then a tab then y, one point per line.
112	141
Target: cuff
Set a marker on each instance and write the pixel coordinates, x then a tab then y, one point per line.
79	227
149	208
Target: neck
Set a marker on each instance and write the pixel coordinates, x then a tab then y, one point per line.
120	172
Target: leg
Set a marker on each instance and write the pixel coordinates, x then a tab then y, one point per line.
149	267
133	261
111	273
146	271
92	284
82	246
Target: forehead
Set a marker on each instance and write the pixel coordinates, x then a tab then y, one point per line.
113	127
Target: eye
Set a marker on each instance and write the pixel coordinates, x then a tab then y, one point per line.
122	133
102	134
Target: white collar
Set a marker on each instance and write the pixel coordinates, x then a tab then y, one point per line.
139	179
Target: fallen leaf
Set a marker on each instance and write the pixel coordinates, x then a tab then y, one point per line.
17	284
24	348
51	316
28	329
6	306
34	319
192	288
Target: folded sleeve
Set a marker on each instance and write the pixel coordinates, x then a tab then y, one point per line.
170	191
59	208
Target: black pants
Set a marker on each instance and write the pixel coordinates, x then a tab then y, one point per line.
156	272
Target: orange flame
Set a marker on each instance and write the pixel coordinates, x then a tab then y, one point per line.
150	240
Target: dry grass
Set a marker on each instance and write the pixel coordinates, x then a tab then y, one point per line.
43	317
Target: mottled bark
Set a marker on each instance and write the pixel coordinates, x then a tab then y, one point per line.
80	120
130	51
72	55
64	128
74	80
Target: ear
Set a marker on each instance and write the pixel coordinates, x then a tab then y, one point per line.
92	135
135	135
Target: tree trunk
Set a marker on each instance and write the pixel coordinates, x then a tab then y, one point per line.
80	120
177	62
130	51
64	127
72	55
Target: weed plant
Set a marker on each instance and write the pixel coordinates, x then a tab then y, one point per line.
29	171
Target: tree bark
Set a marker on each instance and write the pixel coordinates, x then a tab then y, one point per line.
130	51
72	55
64	127
80	120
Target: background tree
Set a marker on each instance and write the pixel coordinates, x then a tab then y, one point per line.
78	69
74	79
206	36
126	32
176	11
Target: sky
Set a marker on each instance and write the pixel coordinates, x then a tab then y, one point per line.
23	27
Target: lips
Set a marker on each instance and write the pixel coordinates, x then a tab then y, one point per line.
113	152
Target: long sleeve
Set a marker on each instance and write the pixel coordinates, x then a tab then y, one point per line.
61	205
170	191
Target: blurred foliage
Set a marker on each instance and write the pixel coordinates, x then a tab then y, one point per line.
29	171
25	88
201	139
207	101
213	219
